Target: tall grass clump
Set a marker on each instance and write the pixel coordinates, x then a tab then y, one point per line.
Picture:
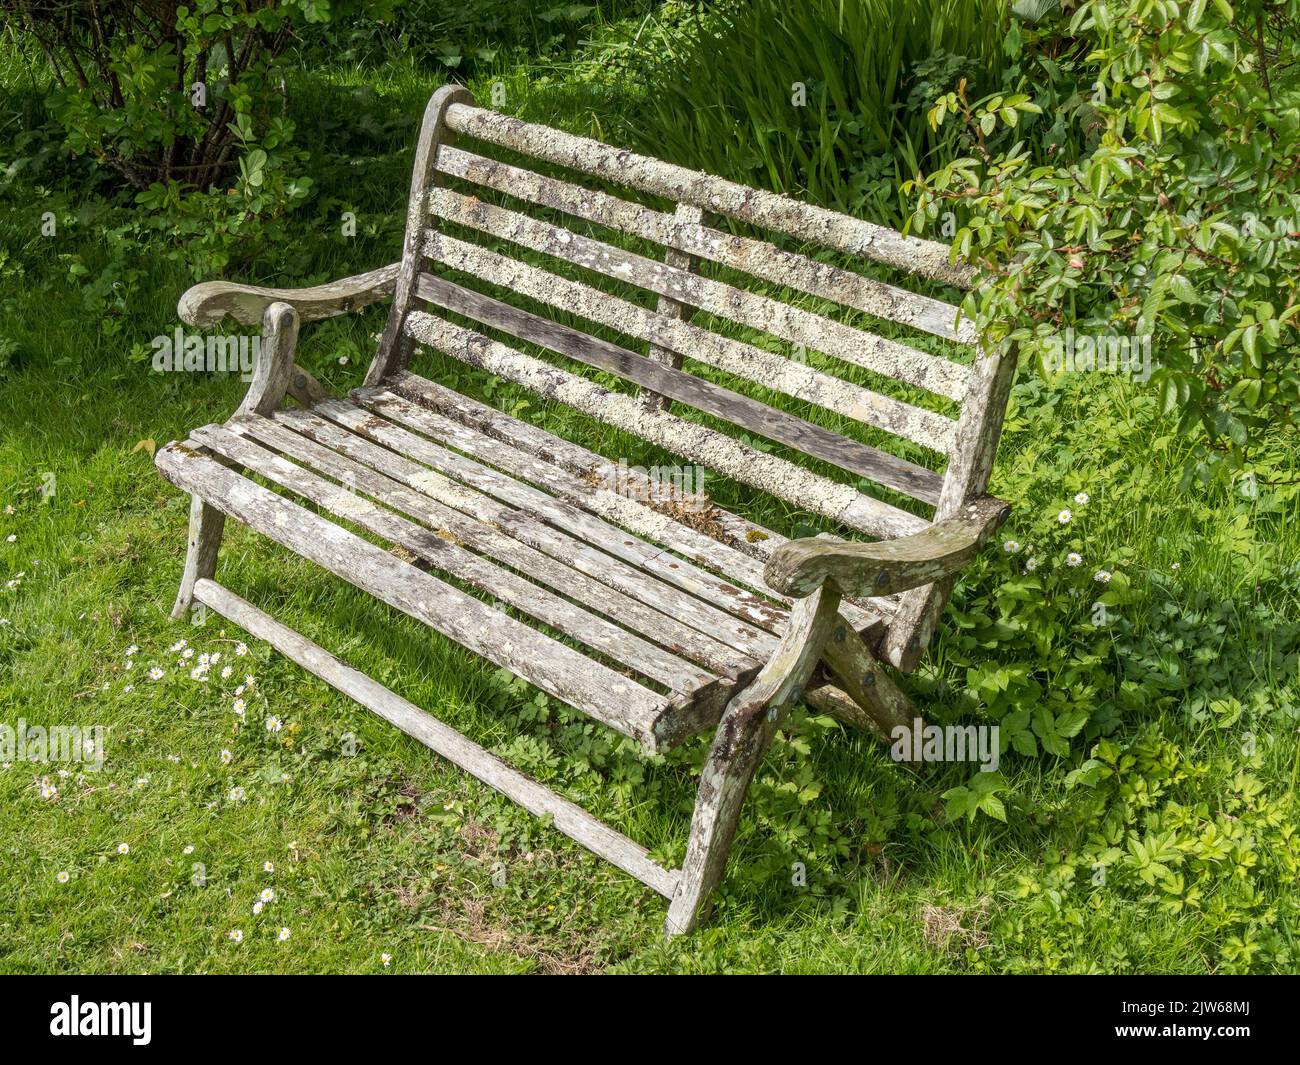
726	95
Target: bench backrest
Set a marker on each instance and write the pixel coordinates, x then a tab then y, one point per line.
479	227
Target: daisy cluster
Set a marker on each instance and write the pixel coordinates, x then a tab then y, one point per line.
1073	559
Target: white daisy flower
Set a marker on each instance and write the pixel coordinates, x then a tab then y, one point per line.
267	895
48	790
155	673
1082	498
199	673
62	876
386	960
141	782
226	672
235	935
240	707
205	659
241	649
239	690
128	689
133	649
237	794
1176	565
188	652
1064	517
268	867
216	657
1102	576
177	647
188	849
11	538
1031	564
284	934
4	622
1074	559
123	848
257	908
250	680
274	724
1011	546
226	757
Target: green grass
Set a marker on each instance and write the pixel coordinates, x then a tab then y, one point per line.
396	853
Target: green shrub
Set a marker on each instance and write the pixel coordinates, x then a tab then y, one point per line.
726	96
1169	216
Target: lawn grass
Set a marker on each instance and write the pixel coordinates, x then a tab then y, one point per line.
380	849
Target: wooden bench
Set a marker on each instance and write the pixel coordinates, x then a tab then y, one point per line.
621	603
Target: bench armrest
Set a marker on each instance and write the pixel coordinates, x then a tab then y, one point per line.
800	567
207	303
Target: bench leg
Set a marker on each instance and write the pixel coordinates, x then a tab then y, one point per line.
747	727
206	526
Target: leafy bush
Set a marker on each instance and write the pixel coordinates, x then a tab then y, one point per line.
724	97
1168	213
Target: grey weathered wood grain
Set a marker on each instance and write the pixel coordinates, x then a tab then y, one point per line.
697	442
767	368
544	605
742	411
558	670
801	566
732	552
394	347
747	727
527	510
206	304
686	235
967	476
274	368
867	682
767	209
488	536
203	545
671	308
764	313
569	818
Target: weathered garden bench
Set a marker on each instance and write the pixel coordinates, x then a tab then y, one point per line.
654	622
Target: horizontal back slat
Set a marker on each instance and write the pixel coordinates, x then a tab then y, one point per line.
699	443
931	430
750	414
770	210
794	324
759	258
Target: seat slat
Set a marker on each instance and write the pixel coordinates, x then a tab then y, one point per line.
746	626
545	606
767	368
799	326
777	425
557	669
484	535
807	222
699	443
757	257
737	550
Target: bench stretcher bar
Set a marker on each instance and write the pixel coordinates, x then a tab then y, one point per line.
569	818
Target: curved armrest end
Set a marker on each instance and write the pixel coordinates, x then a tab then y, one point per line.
800	567
206	304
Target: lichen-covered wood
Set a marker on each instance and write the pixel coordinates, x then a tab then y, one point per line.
656	614
801	567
